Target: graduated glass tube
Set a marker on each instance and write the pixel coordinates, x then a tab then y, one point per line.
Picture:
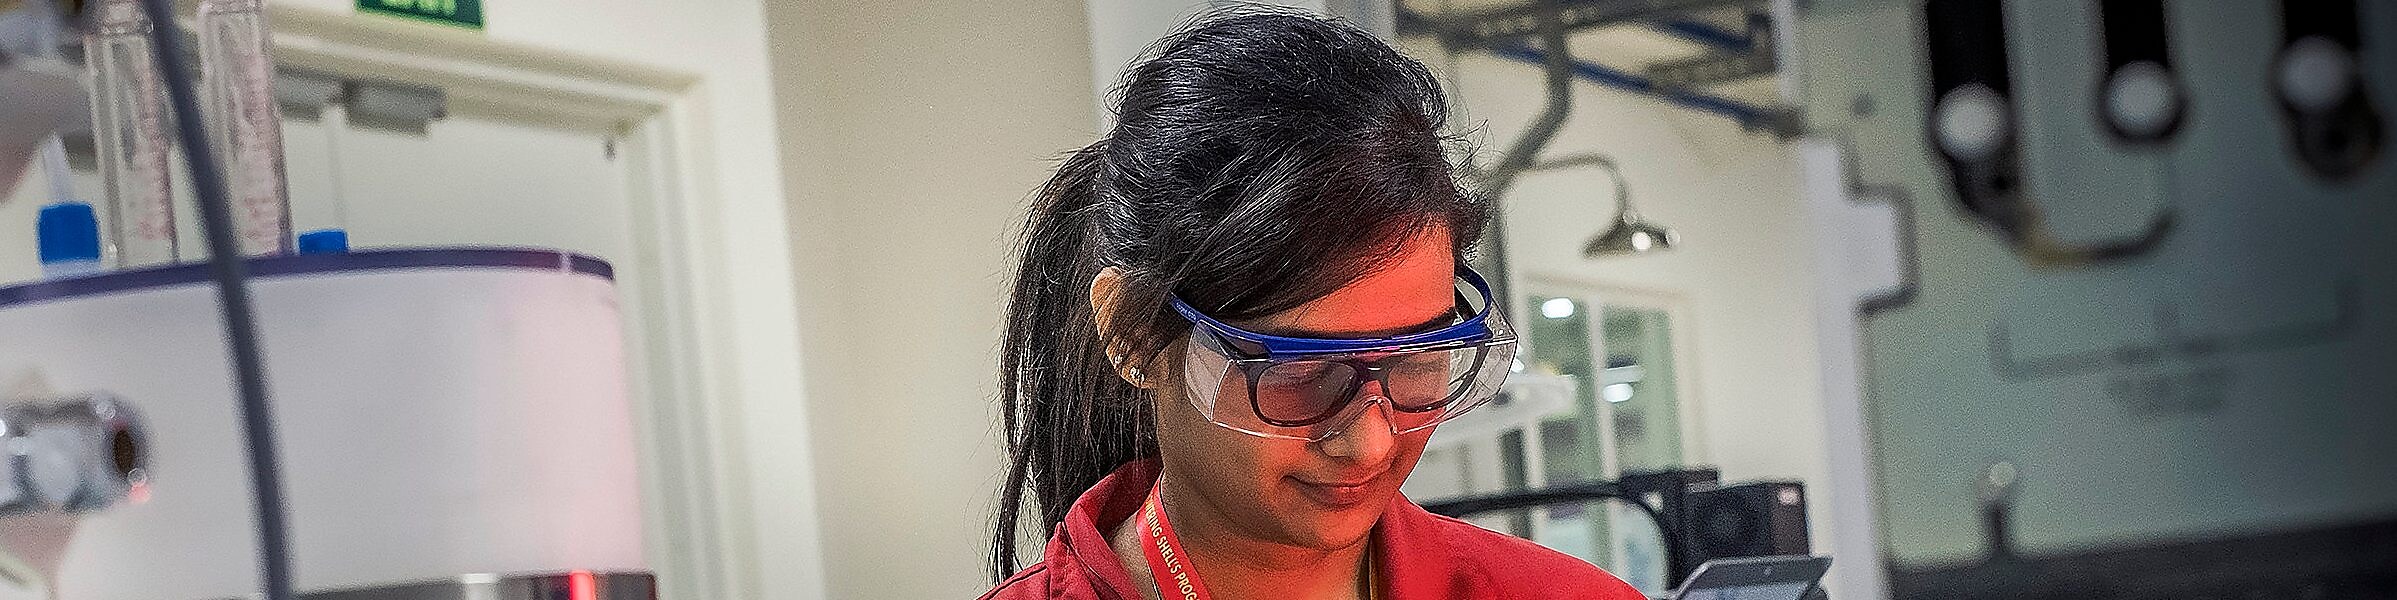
129	131
245	126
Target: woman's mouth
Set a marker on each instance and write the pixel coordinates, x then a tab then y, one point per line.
1337	494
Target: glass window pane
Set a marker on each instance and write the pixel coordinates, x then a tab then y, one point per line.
1643	402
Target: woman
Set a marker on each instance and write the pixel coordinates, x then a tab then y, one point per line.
1238	318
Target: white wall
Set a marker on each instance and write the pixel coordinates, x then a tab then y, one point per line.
915	133
1742	263
1121	29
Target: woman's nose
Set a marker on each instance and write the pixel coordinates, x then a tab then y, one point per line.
1368	438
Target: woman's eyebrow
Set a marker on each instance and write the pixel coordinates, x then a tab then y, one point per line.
1434	324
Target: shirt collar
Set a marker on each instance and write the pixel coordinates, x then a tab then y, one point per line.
1406	547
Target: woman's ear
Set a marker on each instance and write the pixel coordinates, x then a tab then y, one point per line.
1103	289
1105	305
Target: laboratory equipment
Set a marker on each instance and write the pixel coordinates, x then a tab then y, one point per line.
2207	419
1975	125
245	124
68	236
130	134
1758	578
443	413
1764	518
2142	100
324	241
456	420
2319	82
1700	519
78	455
571	585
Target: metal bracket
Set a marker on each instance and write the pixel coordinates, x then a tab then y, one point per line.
1490	29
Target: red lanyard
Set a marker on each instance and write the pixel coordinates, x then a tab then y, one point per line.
1171	568
1167	563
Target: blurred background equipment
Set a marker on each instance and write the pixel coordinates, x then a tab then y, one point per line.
1699	519
2319	80
1594	413
2047	242
1976	126
2188	410
1762	578
78	455
466	409
244	124
1748	519
44	94
132	135
2141	96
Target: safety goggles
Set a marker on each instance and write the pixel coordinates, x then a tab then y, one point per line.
1313	389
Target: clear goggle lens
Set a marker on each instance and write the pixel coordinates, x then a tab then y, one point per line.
1317	397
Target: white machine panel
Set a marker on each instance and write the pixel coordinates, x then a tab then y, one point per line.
441	412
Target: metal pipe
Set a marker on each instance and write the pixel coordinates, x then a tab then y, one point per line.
1488	27
233	300
1613	171
1676	547
1558	68
1707	34
1563	494
1748	115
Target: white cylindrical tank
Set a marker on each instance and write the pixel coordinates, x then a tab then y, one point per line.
441	412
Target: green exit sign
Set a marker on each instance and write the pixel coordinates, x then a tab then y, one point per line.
462	13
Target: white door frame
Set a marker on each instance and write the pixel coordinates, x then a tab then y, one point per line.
687	400
1598	294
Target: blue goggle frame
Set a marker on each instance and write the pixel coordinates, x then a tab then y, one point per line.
1473	330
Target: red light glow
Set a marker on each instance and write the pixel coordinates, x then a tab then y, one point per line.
581	585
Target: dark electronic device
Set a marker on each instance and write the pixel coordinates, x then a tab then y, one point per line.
1754	519
2318	79
1754	578
1670	491
1700	519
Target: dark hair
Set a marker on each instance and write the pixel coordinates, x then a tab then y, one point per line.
1260	159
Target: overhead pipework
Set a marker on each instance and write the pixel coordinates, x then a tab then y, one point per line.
1543	32
1732	36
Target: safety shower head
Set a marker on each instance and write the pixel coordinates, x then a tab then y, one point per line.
1629	235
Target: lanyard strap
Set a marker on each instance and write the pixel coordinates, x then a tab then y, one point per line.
1167	563
1170	567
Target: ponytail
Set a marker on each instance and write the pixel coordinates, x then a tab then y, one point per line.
1070	420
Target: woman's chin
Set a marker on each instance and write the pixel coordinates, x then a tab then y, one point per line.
1332	530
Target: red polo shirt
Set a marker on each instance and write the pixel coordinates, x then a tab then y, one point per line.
1421	556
